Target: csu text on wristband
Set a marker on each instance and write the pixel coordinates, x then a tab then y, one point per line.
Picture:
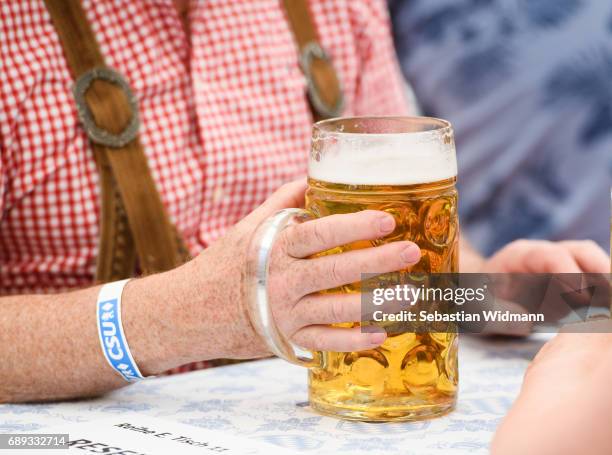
110	330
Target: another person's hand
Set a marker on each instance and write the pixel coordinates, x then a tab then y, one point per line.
304	316
537	257
541	256
565	403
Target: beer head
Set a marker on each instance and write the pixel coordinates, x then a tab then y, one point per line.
382	151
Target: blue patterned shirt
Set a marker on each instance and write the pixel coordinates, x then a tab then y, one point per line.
528	87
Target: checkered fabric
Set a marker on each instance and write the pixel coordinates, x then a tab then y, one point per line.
224	118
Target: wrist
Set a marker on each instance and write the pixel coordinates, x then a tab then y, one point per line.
188	314
147	320
219	295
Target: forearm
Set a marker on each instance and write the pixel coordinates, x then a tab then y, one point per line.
50	348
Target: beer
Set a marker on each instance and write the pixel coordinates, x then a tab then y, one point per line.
405	167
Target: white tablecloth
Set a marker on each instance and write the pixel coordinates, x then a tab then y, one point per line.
267	401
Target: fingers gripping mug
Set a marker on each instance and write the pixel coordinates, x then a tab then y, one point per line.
406	167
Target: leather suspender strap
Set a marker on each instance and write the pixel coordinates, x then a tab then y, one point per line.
324	87
133	218
132	214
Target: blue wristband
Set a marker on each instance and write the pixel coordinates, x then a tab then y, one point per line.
110	330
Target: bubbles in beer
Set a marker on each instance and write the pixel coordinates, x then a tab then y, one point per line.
441	338
400	341
438	225
409	369
430	262
405	167
367	369
420	370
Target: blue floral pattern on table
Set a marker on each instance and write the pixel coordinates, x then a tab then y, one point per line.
209	424
527	85
209	405
267	404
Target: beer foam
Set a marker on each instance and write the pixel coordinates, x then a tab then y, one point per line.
383	159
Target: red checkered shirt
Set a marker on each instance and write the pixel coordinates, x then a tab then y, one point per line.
224	118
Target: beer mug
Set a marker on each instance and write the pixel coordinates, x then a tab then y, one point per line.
406	167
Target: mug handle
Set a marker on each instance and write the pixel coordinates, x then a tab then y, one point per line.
257	301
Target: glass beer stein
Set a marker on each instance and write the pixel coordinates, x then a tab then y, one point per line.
406	167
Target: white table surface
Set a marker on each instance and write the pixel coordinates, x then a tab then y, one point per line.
266	400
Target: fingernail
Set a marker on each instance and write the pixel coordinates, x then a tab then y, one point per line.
411	254
386	224
377	338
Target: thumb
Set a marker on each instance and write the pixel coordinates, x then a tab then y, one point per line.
290	195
